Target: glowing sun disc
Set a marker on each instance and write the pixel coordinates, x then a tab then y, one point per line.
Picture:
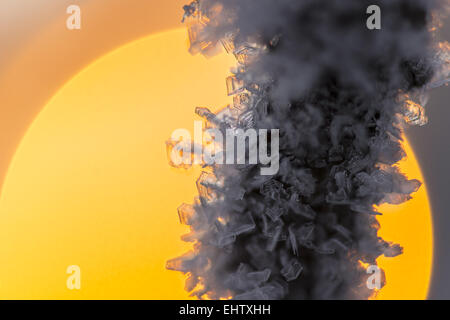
90	185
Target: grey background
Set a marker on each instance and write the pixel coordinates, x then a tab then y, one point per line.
431	146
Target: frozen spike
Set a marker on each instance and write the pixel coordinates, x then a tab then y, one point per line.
243	225
199	294
269	228
204	184
246	119
241	101
197	36
441	66
331	246
194	30
189	237
238	69
343	231
303	235
192	236
292	270
414	113
410	186
293	241
186	213
259	277
308	244
204	113
234	85
207	114
226	117
191	283
175	153
273	241
265	226
305	232
225	239
393	250
210	49
325	249
396	198
182	263
228	42
243	268
438	84
245	53
225	114
275	212
339	245
243	228
246	279
190	10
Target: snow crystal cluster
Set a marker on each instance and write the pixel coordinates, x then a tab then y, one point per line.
341	95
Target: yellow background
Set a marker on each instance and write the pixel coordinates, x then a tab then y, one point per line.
90	185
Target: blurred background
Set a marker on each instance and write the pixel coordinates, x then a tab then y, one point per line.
39	55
